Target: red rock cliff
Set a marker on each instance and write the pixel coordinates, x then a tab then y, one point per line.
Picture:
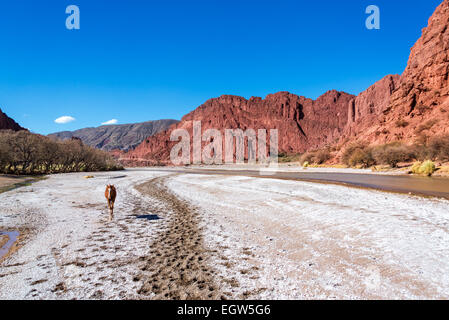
302	123
6	123
415	103
394	108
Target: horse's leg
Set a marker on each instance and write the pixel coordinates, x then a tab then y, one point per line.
111	211
109	208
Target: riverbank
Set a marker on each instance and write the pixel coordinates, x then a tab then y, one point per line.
288	167
442	170
179	234
282	239
10	182
357	178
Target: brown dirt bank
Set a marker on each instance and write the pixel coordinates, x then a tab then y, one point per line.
176	266
3	240
23	237
7	181
10	182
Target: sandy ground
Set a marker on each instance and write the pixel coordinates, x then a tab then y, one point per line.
6	181
70	250
308	240
185	236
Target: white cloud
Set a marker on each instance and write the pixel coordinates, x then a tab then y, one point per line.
64	119
113	121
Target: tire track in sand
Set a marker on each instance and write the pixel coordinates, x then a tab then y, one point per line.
176	266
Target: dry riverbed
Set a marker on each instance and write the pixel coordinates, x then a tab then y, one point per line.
193	236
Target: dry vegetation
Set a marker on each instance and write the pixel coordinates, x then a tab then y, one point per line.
27	153
424	149
401	123
315	157
426	126
287	158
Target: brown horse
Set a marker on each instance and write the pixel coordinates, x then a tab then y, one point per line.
111	194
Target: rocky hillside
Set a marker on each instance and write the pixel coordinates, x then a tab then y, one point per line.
302	123
413	104
396	108
6	123
121	137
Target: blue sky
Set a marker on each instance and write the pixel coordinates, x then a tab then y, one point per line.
138	60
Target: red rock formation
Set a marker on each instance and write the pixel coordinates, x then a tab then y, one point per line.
366	112
425	80
302	123
399	108
395	108
6	123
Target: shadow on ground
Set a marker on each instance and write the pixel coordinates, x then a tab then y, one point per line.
148	217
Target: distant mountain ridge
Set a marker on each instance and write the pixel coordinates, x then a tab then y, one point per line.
112	137
6	123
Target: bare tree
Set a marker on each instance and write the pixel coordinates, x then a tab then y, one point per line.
26	153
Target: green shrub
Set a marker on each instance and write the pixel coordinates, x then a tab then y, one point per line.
305	164
427	168
415	167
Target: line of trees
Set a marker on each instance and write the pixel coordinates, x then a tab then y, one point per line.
23	152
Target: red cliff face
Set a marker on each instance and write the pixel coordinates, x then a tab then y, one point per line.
415	103
423	94
6	123
395	108
367	111
425	80
302	123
